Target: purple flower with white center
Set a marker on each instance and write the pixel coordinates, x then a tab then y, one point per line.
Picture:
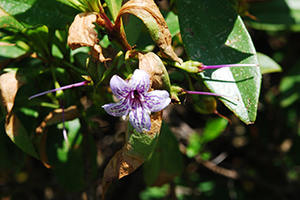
135	100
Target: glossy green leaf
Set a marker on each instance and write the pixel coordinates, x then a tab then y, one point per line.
114	7
35	12
166	160
214	34
275	15
8	21
267	64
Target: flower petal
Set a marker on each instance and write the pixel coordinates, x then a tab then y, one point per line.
157	100
139	118
119	87
140	81
118	109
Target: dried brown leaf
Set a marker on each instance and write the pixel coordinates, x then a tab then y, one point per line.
152	64
82	32
149	13
128	159
9	84
56	117
52	118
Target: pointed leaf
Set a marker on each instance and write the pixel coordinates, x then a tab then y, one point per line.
222	38
267	64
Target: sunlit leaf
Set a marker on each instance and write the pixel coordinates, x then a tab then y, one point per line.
267	64
35	12
222	38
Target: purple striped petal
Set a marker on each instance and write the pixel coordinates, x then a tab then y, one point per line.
140	81
157	100
119	87
139	118
118	109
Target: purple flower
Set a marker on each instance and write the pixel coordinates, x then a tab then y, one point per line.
135	100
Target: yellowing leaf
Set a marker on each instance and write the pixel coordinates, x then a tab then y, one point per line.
149	13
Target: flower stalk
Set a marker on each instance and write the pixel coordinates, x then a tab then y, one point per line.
60	88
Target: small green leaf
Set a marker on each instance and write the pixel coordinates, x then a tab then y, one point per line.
214	128
195	145
289	86
114	7
172	22
214	34
267	64
275	15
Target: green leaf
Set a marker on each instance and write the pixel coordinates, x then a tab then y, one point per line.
172	22
166	160
15	159
222	38
67	161
95	71
8	21
214	128
133	29
39	36
18	135
289	86
267	64
275	15
114	7
195	145
51	13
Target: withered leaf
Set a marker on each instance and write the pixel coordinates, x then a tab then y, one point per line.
55	117
152	64
52	118
136	150
82	32
149	13
9	84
